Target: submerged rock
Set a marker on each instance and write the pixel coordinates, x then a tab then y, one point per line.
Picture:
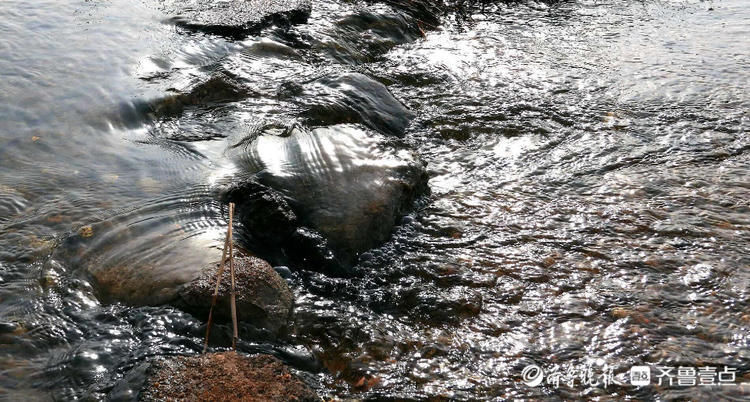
351	98
213	377
236	18
363	32
219	88
425	12
263	297
323	196
367	35
162	267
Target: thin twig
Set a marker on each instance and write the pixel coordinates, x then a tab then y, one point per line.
227	243
231	272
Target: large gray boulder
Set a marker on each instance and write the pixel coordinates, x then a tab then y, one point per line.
321	197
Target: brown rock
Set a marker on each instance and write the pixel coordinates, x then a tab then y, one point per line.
263	297
224	376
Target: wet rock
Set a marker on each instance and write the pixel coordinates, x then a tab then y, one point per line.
236	18
425	12
214	377
319	198
182	273
139	285
133	257
272	49
362	33
219	88
365	36
263	297
438	304
350	98
129	387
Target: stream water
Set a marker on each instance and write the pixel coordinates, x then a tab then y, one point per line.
589	206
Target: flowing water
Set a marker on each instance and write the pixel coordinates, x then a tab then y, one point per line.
589	206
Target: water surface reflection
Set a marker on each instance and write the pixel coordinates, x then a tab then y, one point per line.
589	205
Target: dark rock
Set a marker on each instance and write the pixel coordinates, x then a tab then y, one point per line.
272	49
130	386
366	36
223	377
219	88
236	18
425	12
319	198
263	297
362	33
7	327
350	98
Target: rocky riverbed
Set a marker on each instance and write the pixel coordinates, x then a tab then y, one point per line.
431	196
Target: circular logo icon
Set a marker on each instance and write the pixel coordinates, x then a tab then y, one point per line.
532	375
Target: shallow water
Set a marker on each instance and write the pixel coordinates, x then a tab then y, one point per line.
589	195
